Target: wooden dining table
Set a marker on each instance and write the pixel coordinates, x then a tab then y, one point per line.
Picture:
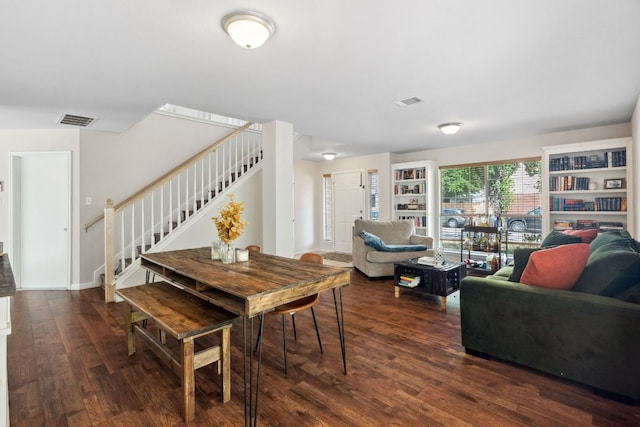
250	289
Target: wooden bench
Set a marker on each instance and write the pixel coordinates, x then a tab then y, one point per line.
185	317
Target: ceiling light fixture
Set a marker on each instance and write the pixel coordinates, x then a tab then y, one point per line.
450	128
249	29
329	156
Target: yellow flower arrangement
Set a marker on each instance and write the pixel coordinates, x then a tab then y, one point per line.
229	223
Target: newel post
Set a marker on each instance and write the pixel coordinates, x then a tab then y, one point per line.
109	252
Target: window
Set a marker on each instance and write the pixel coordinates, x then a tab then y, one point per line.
374	197
327	207
503	194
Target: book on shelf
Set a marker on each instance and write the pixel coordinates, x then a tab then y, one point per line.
604	204
604	226
563	204
616	158
419	221
565	163
586	224
568	183
402	174
611	203
408	281
563	224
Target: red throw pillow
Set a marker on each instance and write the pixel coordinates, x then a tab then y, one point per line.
587	236
559	267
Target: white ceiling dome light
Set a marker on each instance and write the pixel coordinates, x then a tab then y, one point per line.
249	29
450	128
329	156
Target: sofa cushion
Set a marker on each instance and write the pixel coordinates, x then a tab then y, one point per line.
380	257
558	267
587	236
391	232
504	272
557	238
520	260
376	242
610	237
612	268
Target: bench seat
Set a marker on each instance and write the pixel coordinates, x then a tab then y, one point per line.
185	317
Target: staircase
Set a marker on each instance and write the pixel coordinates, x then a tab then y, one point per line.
147	220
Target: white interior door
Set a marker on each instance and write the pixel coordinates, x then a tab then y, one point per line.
41	206
349	191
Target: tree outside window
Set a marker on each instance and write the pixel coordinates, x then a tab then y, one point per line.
496	194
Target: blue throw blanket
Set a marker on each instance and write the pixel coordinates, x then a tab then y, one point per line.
377	243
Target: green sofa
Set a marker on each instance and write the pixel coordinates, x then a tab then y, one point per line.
585	337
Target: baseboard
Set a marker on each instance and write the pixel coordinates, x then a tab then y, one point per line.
81	286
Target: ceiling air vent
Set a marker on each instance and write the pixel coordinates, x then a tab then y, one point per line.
408	101
73	120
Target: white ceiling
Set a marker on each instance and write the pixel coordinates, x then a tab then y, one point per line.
334	68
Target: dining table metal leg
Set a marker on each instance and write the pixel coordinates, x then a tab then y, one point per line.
340	320
251	384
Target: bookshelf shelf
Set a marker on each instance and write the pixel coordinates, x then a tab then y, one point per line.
589	213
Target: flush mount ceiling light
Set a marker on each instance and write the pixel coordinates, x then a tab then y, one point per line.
450	128
329	156
249	29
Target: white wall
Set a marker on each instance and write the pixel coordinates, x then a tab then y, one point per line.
512	149
42	140
277	189
107	165
307	187
113	166
308	195
116	165
308	177
635	147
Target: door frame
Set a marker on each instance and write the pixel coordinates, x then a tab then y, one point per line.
15	225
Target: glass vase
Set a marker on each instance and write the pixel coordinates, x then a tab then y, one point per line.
228	254
438	256
216	247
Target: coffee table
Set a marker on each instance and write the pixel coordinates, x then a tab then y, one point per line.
441	281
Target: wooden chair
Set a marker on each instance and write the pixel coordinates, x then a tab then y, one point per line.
254	248
295	306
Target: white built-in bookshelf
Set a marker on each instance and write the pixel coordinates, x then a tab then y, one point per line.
413	195
587	185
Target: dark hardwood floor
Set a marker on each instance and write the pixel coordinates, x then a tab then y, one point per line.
68	365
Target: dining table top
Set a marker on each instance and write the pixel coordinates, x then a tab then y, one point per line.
244	288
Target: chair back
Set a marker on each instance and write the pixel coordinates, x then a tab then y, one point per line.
312	258
254	248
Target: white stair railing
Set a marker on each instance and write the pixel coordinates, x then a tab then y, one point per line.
139	223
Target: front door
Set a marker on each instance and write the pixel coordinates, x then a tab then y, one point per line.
349	205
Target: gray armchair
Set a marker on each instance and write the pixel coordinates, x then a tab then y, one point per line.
374	263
